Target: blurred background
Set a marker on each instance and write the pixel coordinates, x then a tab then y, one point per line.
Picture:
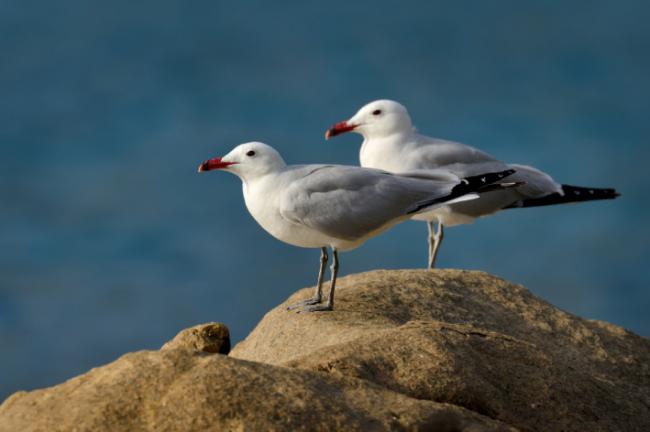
111	242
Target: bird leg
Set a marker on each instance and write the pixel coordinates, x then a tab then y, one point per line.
334	269
434	242
431	241
318	295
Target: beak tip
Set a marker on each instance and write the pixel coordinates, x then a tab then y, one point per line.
339	128
201	168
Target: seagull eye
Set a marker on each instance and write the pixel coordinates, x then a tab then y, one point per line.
250	153
376	112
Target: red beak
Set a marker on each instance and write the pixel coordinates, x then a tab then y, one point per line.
215	163
339	128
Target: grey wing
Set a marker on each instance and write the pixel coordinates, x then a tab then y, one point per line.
458	158
536	183
465	161
351	202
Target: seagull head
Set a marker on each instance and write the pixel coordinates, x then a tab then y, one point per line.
247	161
377	119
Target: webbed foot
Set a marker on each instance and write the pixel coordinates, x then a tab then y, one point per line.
317	308
308	302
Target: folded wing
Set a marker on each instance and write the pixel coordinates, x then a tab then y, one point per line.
351	202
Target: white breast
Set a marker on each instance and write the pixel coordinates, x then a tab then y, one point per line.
263	199
384	154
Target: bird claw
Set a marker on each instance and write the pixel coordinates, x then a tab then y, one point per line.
308	302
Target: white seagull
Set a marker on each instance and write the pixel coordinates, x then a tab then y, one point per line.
391	143
316	206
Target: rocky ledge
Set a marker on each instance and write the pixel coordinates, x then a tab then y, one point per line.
442	350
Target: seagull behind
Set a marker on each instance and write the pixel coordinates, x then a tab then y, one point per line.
391	143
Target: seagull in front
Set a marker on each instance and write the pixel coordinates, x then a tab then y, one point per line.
391	143
337	206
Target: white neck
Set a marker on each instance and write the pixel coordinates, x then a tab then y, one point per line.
385	153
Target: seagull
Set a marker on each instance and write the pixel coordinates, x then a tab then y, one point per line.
337	206
391	143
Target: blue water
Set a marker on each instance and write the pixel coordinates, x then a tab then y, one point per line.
110	241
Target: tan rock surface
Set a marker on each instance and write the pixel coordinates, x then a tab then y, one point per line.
404	350
211	338
469	339
184	388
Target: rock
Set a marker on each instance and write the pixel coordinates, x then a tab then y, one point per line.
442	350
468	339
186	390
210	338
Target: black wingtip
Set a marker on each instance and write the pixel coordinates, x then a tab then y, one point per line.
570	194
579	193
487	178
424	204
480	183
